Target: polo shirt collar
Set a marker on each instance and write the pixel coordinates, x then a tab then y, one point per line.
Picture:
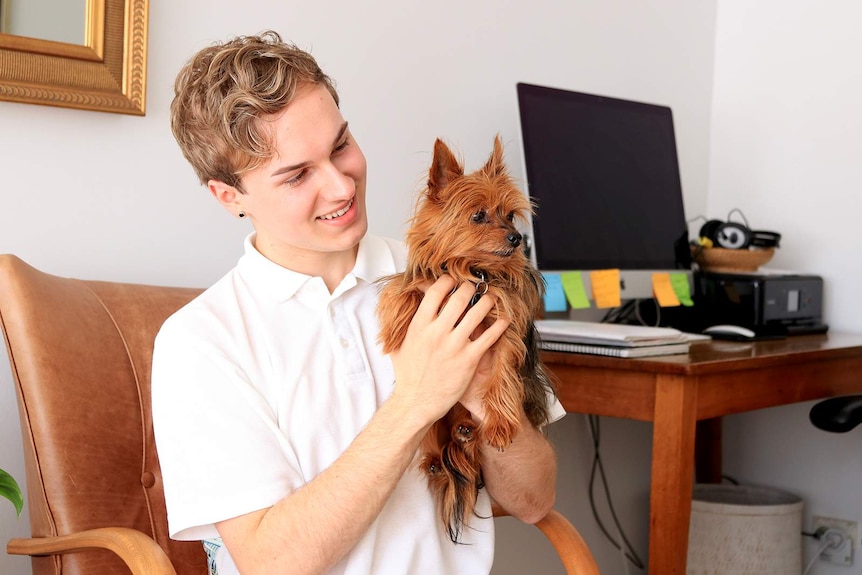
374	260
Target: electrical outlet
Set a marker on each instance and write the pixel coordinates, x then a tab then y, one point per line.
842	554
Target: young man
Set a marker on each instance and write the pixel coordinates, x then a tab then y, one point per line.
286	439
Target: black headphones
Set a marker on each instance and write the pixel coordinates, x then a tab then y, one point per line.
736	236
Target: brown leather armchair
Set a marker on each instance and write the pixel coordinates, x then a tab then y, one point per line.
80	353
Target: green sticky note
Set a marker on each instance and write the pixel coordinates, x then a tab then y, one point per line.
555	299
573	285
679	282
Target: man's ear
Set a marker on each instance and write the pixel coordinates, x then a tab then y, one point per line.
228	196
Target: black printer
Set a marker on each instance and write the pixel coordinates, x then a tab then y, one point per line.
779	304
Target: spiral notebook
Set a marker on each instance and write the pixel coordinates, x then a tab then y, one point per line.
613	334
617	351
611	339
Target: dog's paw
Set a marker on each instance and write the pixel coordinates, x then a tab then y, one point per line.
498	434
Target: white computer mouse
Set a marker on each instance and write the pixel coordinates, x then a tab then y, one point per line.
729	331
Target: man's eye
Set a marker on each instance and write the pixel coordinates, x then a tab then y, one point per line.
479	217
342	145
296	180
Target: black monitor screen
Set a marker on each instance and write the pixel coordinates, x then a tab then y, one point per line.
605	178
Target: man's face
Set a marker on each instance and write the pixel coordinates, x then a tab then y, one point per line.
309	199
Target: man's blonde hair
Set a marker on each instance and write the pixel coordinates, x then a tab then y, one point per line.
223	92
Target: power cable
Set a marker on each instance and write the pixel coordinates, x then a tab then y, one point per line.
598	468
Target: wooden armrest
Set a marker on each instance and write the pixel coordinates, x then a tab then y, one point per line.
139	552
570	546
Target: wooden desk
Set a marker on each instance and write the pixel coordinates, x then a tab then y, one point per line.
684	393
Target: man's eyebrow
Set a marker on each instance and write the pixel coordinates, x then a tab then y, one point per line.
286	169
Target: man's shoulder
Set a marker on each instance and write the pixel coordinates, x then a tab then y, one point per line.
205	312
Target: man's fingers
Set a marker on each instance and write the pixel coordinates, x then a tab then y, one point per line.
477	313
435	295
492	333
457	304
456	313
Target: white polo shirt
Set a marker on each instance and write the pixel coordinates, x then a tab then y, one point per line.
261	382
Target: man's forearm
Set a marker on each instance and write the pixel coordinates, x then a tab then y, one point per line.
317	525
522	478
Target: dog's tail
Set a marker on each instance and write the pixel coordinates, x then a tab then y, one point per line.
454	474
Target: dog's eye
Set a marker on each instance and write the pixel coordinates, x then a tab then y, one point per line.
479	217
510	216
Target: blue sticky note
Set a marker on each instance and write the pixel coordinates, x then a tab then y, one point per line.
555	297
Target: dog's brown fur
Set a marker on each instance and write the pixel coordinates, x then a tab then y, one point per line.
464	226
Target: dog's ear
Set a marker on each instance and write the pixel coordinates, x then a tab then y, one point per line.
444	168
495	165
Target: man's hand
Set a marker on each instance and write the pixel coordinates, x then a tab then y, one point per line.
442	351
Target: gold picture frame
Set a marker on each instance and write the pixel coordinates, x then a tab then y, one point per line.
106	74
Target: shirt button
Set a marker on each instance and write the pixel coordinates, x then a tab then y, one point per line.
332	312
344	343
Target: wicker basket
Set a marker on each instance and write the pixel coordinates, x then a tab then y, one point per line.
744	530
725	260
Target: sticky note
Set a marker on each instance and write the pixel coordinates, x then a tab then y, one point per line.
679	281
555	298
663	290
606	287
576	293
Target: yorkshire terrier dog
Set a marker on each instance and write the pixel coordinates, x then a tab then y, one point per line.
465	226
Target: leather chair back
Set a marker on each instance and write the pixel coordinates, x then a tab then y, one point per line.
81	353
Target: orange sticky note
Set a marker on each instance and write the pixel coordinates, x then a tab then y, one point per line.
606	287
663	290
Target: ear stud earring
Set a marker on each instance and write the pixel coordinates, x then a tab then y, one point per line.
241	214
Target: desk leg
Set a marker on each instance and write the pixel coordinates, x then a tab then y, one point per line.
672	473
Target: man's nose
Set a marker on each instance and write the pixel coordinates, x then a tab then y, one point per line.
339	184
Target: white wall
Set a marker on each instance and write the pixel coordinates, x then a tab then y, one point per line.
110	197
786	150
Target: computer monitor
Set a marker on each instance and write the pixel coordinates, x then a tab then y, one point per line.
604	175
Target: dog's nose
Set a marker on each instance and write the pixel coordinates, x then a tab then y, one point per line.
514	238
